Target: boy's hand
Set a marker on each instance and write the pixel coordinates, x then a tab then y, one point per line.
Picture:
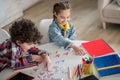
47	61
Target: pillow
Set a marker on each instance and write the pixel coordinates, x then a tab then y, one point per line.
118	2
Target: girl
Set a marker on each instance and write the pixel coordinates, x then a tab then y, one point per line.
62	31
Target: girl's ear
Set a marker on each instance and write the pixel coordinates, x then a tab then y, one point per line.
55	14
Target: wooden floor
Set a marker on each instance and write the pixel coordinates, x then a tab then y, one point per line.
85	18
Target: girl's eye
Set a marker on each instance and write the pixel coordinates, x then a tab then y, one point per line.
62	17
68	17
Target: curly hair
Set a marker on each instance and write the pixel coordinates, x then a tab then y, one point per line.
25	30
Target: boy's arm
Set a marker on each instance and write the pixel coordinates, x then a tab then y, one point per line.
18	62
5	45
20	59
11	57
35	52
41	55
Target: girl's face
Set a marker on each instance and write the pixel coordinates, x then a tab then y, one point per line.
25	46
63	16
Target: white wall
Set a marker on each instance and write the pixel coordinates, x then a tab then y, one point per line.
10	10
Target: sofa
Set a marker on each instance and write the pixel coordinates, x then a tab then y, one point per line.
109	11
3	35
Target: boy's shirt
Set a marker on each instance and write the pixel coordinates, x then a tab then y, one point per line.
12	55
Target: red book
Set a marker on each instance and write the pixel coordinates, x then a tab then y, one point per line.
97	48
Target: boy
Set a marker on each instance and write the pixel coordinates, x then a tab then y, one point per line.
20	49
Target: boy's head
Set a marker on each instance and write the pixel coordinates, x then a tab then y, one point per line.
61	12
24	31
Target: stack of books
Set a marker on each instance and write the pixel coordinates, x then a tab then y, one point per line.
108	65
106	60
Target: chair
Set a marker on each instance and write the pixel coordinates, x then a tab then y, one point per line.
43	28
109	11
3	35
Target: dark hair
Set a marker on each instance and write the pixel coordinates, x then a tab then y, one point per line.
60	6
25	30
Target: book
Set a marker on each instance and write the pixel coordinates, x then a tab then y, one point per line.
97	48
20	76
90	77
108	65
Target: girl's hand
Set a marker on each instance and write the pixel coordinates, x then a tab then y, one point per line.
77	50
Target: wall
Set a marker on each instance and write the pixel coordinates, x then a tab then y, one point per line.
10	10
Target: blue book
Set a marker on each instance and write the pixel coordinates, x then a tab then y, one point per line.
108	65
109	71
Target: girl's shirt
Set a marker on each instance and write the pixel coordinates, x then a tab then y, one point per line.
12	55
56	34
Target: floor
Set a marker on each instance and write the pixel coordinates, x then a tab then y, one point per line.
84	15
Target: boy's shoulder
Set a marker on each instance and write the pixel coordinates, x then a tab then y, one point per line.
7	43
8	40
